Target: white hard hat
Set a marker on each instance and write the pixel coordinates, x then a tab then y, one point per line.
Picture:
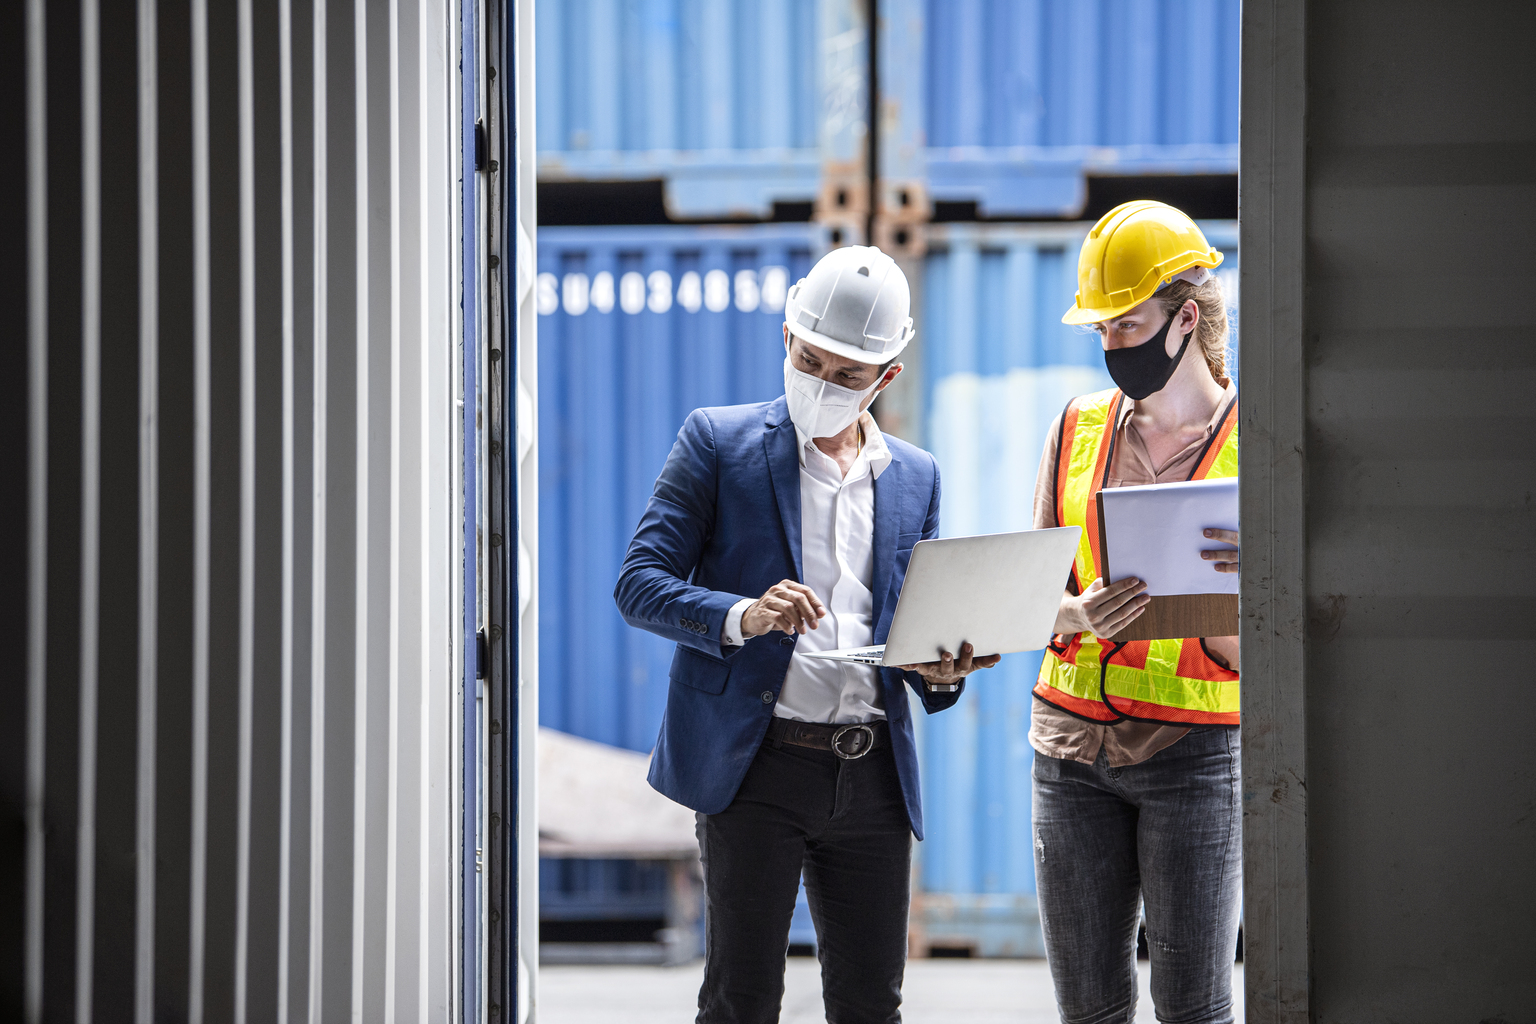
854	303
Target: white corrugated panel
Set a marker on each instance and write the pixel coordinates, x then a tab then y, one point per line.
241	725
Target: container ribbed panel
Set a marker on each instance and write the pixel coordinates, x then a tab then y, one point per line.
235	722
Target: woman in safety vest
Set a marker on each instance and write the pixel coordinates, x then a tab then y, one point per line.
1136	776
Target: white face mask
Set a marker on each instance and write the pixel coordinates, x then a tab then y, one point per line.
818	407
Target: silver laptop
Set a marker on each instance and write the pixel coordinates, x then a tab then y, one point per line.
999	592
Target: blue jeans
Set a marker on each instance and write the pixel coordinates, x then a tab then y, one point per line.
1167	832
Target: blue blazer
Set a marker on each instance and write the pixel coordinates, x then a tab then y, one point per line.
724	524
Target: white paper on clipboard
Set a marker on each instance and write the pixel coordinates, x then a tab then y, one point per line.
1155	533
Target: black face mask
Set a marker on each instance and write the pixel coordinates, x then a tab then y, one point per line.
1143	369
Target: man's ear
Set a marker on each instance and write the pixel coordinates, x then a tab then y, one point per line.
889	376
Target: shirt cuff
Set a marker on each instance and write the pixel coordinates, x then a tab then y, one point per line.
731	636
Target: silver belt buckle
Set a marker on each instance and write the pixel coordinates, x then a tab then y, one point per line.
860	747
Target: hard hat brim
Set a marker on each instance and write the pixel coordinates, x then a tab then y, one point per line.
1077	315
842	348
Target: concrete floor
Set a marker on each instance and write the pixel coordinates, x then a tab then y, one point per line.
936	992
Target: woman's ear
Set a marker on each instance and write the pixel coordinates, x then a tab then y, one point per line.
1189	316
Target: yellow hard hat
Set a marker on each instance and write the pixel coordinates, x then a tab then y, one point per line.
1132	251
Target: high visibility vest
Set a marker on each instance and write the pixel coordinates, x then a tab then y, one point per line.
1173	681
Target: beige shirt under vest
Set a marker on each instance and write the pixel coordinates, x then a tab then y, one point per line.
1053	732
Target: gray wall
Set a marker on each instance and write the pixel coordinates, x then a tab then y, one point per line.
1389	163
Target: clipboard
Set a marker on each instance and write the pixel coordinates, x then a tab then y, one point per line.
1171	616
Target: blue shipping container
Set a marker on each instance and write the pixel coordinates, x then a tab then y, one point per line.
1025	98
639	326
737	104
734	103
1001	367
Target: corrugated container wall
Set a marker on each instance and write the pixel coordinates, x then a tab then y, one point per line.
638	327
1001	366
1024	100
230	733
735	105
1389	556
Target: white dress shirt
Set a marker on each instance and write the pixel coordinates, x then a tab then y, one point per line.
837	533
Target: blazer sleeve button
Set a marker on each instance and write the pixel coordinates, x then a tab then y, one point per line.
767	696
787	641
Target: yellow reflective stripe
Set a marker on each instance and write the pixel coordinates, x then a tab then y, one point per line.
1170	690
1070	678
1125	683
1226	459
1092	413
1163	657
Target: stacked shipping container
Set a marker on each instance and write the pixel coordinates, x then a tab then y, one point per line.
734	105
1008	105
1025	99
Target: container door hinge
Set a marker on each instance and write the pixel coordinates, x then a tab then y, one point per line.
482	654
480	145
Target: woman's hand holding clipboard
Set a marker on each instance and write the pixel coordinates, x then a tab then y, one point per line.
1155	532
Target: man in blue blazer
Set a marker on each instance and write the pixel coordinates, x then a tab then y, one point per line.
797	763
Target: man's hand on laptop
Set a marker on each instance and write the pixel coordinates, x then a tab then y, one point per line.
788	606
949	670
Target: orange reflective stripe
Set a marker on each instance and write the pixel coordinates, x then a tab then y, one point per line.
1063	463
1194	663
1096	484
1077	475
1146	712
1069	652
1076	705
1133	654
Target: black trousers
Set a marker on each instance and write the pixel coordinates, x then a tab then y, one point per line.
845	824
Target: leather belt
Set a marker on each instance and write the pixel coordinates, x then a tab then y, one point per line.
849	742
